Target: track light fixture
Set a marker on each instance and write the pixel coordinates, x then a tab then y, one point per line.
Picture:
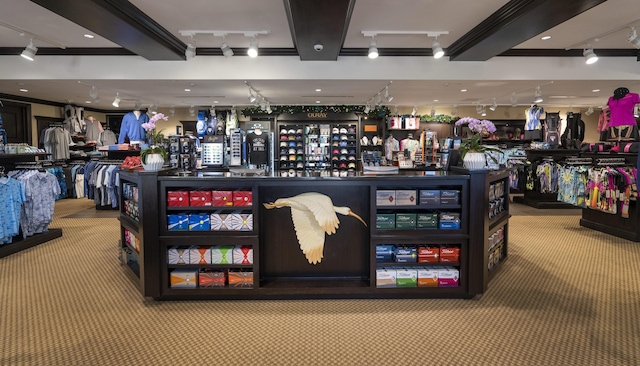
367	108
252	98
633	38
414	111
253	48
454	111
589	111
93	94
437	50
537	96
388	97
172	111
483	112
30	51
514	99
494	105
478	108
379	102
432	113
269	110
590	57
192	110
190	52
153	109
373	48
116	101
226	50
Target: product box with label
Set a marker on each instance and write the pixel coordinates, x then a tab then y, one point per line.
199	222
449	196
243	254
200	255
448	277
222	254
218	222
177	222
429	197
449	254
385	278
200	198
179	255
208	278
177	198
385	198
428	254
183	278
449	220
406	277
406	197
239	222
427	220
222	198
384	252
427	277
405	221
242	198
385	221
239	279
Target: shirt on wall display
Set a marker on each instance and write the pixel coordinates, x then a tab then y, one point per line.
622	110
258	143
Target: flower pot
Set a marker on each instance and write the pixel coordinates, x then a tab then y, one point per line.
154	162
475	161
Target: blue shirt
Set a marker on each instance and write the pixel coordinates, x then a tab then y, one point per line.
132	127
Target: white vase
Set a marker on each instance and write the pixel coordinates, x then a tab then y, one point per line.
154	162
475	161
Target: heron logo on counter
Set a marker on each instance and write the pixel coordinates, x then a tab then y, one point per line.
313	215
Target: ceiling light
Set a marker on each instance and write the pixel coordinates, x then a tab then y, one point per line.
463	90
436	100
494	106
589	111
514	99
454	111
589	56
172	111
483	112
90	36
87	101
388	97
253	48
269	110
187	89
595	90
215	101
537	96
24	90
192	111
252	98
414	111
437	50
226	50
633	38
93	94
379	99
190	52
318	90
478	108
116	101
373	49
30	51
153	109
317	102
367	108
545	38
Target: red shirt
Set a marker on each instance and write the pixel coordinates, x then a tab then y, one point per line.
622	110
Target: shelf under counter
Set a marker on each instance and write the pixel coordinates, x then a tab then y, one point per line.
418	264
452	206
208	208
210	266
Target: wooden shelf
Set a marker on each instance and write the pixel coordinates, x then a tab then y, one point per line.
211	266
418	264
31	241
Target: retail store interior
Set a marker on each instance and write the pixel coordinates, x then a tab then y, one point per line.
336	182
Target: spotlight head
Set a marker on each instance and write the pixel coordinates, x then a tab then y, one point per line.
633	38
172	111
226	50
116	101
192	111
153	109
589	56
94	93
454	111
514	99
30	51
483	113
253	48
388	97
252	98
494	106
414	111
589	111
373	49
190	52
537	97
437	50
367	108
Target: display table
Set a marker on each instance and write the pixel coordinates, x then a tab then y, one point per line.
210	258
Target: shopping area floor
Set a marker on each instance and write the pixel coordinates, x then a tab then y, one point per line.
567	295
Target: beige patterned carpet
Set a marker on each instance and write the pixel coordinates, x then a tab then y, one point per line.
566	296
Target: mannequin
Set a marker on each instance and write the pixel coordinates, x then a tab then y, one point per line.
258	144
131	127
622	123
93	129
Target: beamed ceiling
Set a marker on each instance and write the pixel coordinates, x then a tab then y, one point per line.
493	48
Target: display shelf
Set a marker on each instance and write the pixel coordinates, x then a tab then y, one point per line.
129	223
418	264
211	266
208	208
496	221
20	244
421	207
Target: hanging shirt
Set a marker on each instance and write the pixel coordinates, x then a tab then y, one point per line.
132	127
622	110
258	148
533	118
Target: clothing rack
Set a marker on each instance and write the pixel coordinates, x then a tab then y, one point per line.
611	162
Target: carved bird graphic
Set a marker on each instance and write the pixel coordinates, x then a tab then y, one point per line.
313	215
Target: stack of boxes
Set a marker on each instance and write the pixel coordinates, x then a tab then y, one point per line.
130	202
496	199
417	220
206	277
417	276
497	250
216	221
